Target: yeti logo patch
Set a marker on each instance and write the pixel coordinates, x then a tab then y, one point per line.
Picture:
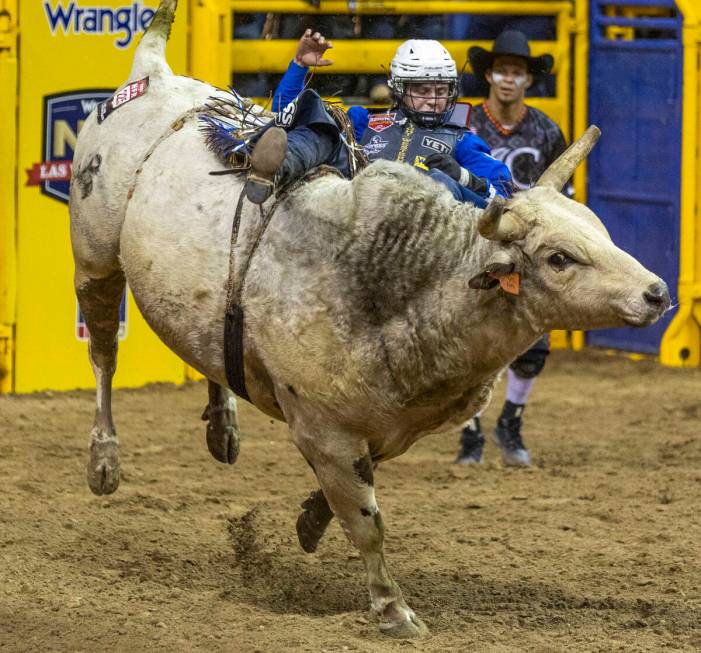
435	144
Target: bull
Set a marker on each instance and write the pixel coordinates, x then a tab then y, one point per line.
377	310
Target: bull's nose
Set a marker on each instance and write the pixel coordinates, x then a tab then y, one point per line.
657	295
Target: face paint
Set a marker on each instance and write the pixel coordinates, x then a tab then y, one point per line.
518	80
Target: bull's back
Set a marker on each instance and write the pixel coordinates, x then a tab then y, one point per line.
106	159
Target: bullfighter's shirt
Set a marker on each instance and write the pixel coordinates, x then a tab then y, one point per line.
528	148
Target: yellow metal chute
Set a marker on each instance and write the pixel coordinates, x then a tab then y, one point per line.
681	343
8	146
373	56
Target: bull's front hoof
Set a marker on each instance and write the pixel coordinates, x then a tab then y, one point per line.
103	466
411	628
223	443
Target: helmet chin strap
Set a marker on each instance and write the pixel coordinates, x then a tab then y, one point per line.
425	118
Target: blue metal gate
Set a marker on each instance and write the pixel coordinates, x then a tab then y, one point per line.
634	171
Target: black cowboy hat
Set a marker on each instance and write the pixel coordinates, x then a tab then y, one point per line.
509	43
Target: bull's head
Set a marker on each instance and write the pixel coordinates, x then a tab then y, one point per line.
571	274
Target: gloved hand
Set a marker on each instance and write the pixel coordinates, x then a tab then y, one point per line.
447	164
478	184
444	163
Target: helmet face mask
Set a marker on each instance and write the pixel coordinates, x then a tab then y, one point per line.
426	102
424	82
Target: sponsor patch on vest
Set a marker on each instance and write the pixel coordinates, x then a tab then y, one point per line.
375	145
127	94
380	121
64	115
435	144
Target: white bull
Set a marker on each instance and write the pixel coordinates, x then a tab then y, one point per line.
374	311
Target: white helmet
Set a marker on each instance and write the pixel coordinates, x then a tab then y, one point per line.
420	60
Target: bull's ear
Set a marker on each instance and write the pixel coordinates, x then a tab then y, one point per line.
492	275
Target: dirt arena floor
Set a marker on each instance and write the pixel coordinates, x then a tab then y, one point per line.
597	548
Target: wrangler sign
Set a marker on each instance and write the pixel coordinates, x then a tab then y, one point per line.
121	22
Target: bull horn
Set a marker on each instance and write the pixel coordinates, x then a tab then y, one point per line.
494	225
563	167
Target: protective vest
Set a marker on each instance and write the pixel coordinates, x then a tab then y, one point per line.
392	136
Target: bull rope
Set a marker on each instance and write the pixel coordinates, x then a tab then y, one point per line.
234	318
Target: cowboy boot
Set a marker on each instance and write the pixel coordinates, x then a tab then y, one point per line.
268	155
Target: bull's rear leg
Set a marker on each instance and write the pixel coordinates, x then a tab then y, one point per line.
99	301
346	477
222	424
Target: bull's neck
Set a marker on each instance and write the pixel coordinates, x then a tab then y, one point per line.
493	326
452	333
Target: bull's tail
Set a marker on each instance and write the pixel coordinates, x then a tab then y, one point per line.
150	55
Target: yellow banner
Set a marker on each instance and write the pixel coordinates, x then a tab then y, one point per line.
72	55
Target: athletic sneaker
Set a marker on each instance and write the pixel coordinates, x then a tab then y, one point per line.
471	443
507	434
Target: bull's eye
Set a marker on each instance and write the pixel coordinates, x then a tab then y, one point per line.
560	261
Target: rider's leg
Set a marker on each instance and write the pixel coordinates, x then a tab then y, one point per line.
307	148
287	155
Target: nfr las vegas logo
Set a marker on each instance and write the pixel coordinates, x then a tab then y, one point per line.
64	115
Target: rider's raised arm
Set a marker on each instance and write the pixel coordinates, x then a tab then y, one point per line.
290	86
310	52
472	153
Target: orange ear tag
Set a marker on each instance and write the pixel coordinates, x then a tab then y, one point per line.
511	283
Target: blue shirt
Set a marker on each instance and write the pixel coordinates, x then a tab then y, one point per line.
471	151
